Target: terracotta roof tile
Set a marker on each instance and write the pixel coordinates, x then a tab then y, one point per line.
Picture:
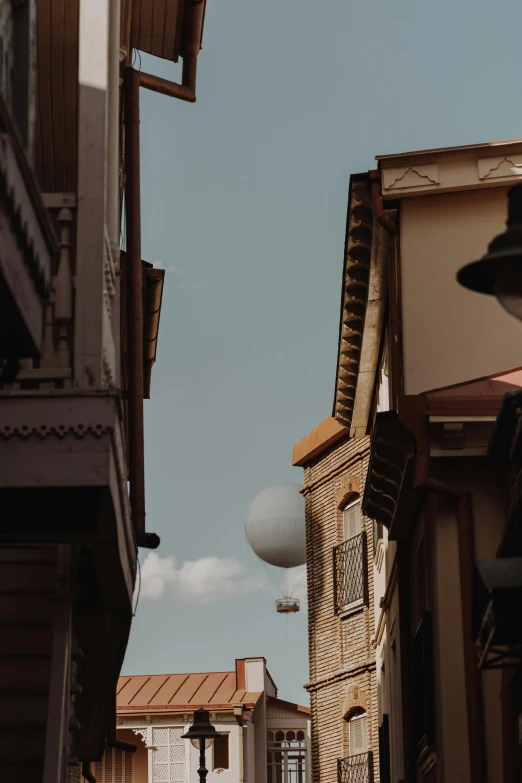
131	689
188	689
169	687
222	695
181	691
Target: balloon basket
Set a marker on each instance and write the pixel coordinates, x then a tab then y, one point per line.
287	605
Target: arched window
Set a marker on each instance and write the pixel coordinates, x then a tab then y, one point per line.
352	523
358	734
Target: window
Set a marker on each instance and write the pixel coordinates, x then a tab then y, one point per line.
377	535
168	755
423	685
384	749
115	767
352	520
286	757
350	562
357	767
358	734
221	752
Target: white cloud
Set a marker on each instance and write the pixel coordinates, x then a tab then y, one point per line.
178	279
205	581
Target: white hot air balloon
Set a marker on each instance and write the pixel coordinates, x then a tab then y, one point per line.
275	529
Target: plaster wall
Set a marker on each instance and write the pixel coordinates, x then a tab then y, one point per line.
452	737
450	334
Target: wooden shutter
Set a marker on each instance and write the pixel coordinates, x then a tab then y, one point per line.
221	752
115	767
358	735
352	520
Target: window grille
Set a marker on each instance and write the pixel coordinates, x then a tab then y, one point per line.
355	769
168	755
286	757
117	766
350	574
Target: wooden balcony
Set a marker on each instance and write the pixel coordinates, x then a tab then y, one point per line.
29	248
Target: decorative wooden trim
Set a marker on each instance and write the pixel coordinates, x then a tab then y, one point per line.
354	700
349	490
356	275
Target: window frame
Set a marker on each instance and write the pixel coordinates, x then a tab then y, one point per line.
347	507
224	735
351	721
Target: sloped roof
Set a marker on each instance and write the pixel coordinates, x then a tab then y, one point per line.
289	705
212	690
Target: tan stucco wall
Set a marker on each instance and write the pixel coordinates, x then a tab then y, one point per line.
452	735
451	335
488	516
141	762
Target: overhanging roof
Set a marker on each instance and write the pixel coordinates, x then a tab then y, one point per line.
157	27
356	276
178	692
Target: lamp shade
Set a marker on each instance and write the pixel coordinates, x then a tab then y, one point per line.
499	272
202	728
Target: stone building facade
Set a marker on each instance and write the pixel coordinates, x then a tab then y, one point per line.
423	366
340	560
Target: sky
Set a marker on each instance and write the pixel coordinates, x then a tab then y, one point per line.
244	203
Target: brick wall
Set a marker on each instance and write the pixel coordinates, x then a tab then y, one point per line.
342	660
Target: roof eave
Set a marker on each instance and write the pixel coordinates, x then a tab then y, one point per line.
354	299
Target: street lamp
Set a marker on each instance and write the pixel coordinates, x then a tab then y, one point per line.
201	734
499	272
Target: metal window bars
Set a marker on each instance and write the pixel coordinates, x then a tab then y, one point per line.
349	564
355	769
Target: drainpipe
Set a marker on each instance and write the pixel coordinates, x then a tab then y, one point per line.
113	132
473	680
112	177
191	44
134	300
238	715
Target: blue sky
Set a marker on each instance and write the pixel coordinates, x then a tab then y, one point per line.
244	202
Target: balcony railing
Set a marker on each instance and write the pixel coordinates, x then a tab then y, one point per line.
355	769
350	574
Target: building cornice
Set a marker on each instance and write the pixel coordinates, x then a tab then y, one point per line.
346	674
318	441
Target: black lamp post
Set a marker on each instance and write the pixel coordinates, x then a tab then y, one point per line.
499	272
201	734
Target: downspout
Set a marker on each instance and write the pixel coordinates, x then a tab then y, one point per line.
112	177
113	133
473	681
191	44
394	289
134	300
238	715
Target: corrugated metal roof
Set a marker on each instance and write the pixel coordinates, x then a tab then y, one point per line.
216	690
